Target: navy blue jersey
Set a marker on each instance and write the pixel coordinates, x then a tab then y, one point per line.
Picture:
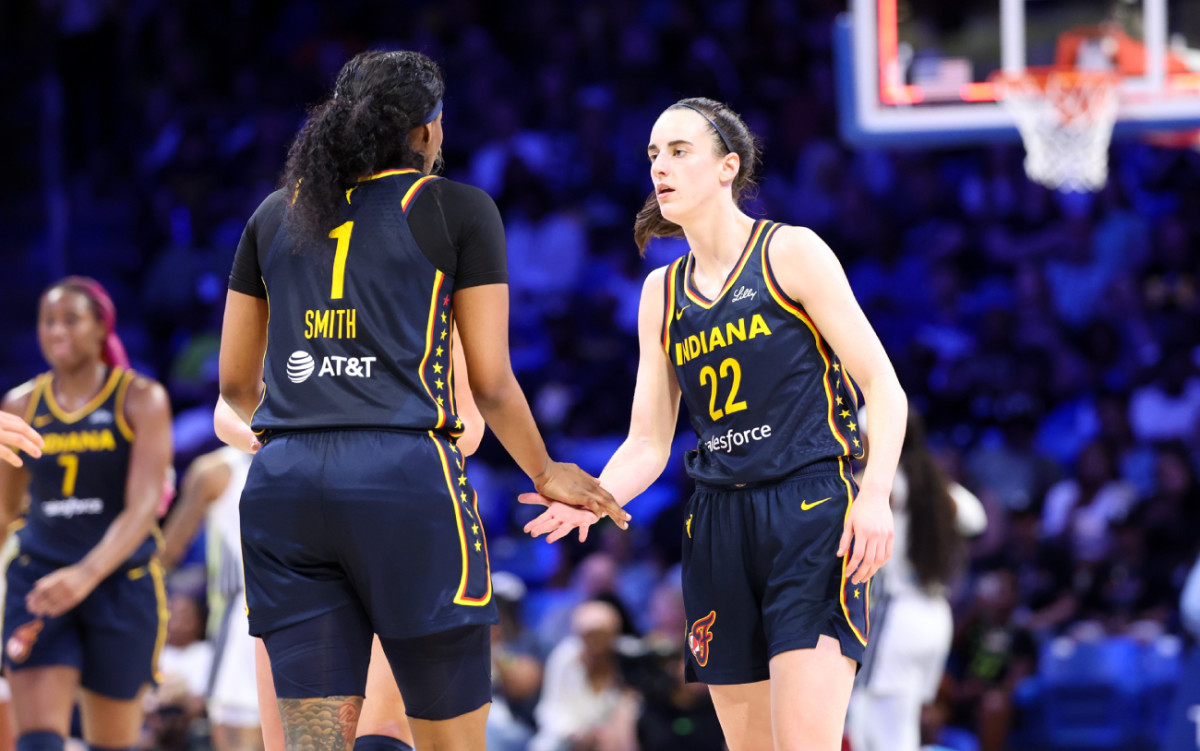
766	393
360	327
77	486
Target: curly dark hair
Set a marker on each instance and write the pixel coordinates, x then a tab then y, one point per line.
360	130
650	222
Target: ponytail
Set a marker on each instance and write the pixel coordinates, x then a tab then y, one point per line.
362	129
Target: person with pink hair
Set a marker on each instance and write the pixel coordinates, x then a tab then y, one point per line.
85	607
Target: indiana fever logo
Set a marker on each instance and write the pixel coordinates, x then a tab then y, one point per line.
700	636
20	644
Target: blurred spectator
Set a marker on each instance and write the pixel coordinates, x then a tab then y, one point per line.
185	664
516	669
1079	510
582	682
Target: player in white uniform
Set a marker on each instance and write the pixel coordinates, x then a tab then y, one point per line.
212	488
911	621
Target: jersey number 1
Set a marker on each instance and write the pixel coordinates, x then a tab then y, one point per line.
342	235
708	376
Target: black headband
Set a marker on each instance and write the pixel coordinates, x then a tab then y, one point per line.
721	133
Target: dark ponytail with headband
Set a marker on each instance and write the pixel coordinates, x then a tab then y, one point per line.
730	136
360	130
113	352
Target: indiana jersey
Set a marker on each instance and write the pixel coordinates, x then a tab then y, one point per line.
360	326
766	393
77	486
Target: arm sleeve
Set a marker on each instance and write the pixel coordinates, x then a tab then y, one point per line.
246	275
459	229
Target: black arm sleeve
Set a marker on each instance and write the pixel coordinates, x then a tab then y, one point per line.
458	227
246	276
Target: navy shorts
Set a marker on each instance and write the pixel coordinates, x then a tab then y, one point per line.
761	574
113	637
380	523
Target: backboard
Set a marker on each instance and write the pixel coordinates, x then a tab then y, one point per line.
915	73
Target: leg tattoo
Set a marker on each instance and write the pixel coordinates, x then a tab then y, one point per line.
326	724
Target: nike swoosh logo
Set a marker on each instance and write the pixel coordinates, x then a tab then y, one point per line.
679	313
805	505
42	420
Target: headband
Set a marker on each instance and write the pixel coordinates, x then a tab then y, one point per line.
721	133
437	110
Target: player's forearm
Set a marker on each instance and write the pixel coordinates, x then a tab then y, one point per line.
242	398
231	428
889	414
633	468
125	534
507	413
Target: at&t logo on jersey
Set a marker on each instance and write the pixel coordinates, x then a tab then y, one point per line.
300	366
700	636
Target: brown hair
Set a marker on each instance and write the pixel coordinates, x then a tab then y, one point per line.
729	135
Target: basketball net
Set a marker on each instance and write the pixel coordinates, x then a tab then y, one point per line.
1065	117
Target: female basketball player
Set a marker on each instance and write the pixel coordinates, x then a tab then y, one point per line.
357	515
85	606
913	623
382	726
758	330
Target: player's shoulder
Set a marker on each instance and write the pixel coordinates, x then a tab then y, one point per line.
16	400
144	394
453	190
801	253
272	205
653	286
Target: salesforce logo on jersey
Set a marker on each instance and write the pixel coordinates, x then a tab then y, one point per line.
300	366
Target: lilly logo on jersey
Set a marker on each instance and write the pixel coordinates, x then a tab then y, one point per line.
700	636
300	366
744	293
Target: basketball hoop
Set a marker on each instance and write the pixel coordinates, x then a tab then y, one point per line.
1065	117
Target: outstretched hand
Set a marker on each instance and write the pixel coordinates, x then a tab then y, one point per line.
572	486
558	520
16	434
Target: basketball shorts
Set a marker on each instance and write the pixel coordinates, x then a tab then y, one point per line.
113	637
761	574
366	531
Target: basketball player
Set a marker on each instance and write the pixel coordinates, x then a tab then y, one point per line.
382	726
357	516
85	606
912	619
758	330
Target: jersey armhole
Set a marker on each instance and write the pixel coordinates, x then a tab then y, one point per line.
669	303
35	397
773	285
119	409
415	190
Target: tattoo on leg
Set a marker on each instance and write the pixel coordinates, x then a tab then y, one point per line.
326	724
